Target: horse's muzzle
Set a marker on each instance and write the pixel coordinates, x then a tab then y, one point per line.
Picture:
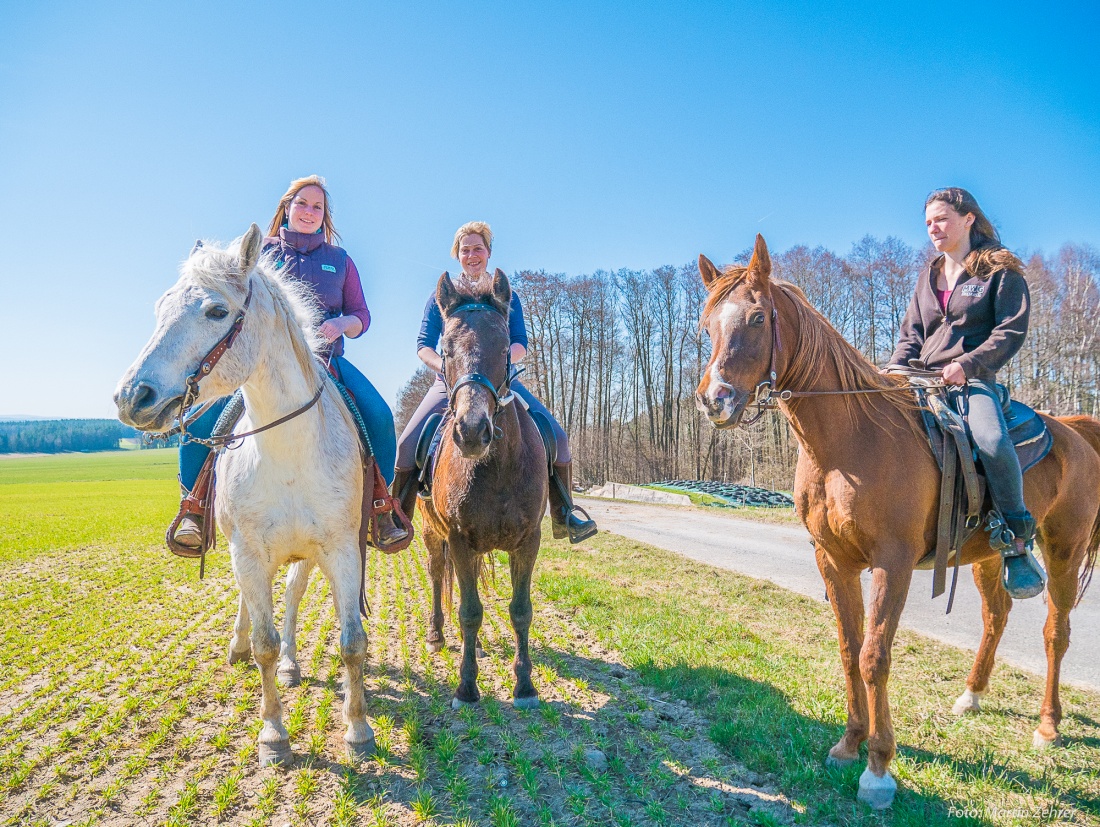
473	435
722	404
141	406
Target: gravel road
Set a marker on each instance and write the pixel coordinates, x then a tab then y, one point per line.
783	555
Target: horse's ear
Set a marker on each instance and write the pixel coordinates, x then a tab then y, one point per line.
708	271
760	265
502	292
445	294
250	249
196	248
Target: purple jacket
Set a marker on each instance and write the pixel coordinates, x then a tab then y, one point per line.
326	268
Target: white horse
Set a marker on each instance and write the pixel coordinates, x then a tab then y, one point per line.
290	494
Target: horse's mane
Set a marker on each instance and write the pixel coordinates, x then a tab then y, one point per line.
215	267
820	346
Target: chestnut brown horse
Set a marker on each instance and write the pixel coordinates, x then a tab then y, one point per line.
867	488
490	483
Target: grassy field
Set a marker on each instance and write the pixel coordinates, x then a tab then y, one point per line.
713	697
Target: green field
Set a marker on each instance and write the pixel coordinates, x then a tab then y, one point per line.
713	697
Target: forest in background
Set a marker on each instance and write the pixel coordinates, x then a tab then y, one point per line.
52	436
617	355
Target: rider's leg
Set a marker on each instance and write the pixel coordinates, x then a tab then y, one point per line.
404	484
564	519
192	456
379	421
1022	576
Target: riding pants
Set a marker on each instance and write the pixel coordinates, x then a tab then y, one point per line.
376	414
993	444
435	401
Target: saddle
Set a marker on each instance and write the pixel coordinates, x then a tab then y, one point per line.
377	501
964	503
427	447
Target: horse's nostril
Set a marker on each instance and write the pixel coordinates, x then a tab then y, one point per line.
144	396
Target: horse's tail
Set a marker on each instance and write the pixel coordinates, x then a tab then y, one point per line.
1089	428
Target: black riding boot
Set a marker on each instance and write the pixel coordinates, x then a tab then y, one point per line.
404	488
1021	574
563	518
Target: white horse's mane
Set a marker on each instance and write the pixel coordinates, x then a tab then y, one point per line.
214	266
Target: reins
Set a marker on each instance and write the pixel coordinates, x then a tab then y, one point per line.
767	396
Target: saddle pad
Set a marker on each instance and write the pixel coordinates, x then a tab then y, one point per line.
1026	429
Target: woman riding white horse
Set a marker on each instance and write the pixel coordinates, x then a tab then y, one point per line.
291	492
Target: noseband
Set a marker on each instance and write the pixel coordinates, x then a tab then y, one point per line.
502	394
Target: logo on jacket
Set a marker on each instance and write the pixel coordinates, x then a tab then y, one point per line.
973	290
328	268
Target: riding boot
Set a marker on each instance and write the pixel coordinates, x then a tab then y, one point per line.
189	531
1021	574
403	489
563	518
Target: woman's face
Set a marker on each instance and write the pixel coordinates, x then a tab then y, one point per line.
473	255
948	230
307	210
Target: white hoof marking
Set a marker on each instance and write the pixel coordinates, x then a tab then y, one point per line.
875	791
969	703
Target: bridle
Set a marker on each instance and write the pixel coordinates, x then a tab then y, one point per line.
767	396
502	394
191	383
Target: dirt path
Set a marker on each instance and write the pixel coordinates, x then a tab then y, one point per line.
783	555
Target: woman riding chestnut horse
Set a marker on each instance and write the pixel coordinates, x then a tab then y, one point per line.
867	488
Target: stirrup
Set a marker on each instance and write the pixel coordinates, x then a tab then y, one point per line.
573	526
1025	568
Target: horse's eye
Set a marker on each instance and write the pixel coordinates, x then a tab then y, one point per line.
757	319
216	312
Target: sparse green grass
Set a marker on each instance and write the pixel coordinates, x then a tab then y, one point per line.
117	706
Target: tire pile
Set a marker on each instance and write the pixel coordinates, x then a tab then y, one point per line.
735	496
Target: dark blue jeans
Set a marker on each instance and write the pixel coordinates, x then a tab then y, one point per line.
376	413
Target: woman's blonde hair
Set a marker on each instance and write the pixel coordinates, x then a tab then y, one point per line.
987	255
296	186
473	228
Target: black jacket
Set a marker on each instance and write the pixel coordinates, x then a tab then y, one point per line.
984	326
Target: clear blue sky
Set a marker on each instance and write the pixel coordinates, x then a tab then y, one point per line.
590	135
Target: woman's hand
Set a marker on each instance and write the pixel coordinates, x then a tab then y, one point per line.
333	329
953	374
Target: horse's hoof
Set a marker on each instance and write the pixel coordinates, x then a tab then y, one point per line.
275	753
877	792
362	750
242	656
526	703
289	675
435	646
479	653
1042	742
833	762
969	703
457	704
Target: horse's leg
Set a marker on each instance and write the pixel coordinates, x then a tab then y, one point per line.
436	571
344	572
240	650
255	583
889	587
846	597
1062	571
996	605
521	562
297	580
470	614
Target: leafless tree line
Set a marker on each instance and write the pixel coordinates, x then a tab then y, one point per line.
617	355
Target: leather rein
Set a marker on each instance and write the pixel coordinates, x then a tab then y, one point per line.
503	395
767	396
206	365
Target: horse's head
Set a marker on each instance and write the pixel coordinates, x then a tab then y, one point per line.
200	310
739	318
476	362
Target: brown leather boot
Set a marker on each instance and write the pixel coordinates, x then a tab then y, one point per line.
403	489
564	521
189	531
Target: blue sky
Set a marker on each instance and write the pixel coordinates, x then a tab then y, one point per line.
590	135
